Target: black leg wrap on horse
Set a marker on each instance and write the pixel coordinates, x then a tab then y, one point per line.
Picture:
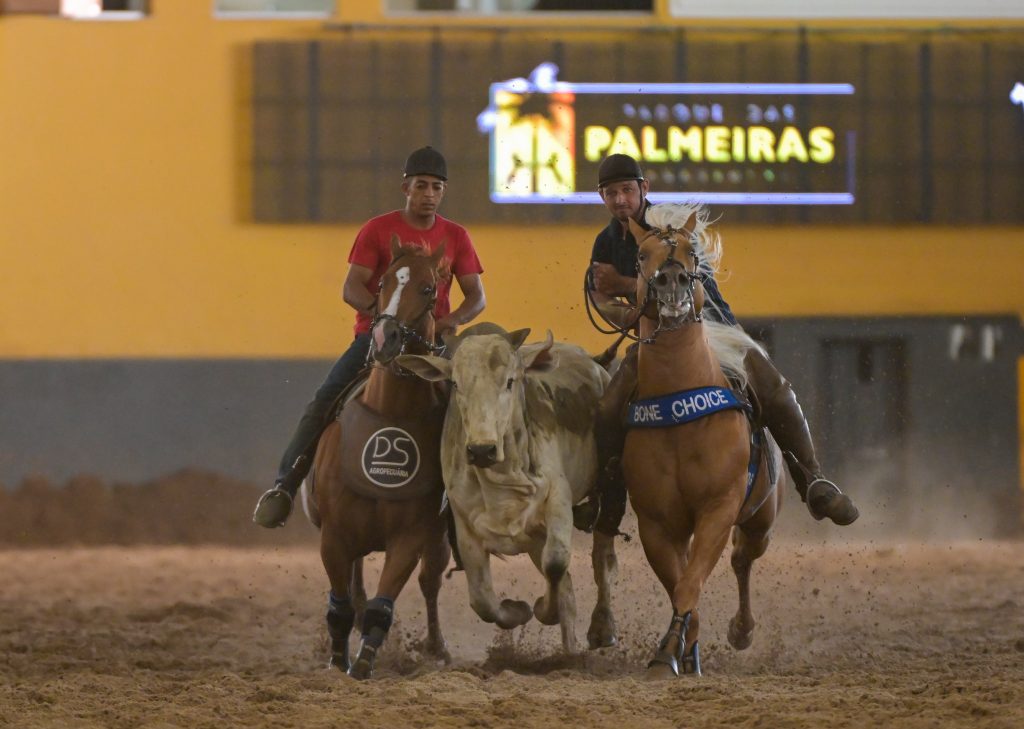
377	617
376	624
673	658
341	616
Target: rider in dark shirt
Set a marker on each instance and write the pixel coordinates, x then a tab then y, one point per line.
613	267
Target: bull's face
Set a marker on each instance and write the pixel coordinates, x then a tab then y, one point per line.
488	377
486	372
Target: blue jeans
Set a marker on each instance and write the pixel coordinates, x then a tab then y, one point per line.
317	415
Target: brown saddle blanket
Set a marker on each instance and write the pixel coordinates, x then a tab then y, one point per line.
389	458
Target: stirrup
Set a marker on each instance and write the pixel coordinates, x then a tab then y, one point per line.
273	508
824	499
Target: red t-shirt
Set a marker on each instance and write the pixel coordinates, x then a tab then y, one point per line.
372	249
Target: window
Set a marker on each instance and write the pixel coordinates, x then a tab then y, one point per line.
103	9
895	9
491	7
273	8
80	9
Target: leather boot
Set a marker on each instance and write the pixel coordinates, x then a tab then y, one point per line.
604	509
781	412
275	505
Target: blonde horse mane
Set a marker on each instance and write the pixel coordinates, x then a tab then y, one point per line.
730	345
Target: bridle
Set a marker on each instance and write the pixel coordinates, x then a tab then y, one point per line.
407	331
668	237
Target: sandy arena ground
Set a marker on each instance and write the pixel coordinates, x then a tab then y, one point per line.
866	634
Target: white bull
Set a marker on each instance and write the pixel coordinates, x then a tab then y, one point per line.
517	452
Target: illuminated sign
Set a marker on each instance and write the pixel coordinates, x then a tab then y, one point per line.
1017	95
744	144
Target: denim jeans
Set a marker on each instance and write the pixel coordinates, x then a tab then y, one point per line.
317	415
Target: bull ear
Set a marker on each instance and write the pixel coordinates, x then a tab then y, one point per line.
637	230
426	366
396	246
541	359
517	337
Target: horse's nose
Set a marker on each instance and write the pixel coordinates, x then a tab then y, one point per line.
681	278
661	279
482	454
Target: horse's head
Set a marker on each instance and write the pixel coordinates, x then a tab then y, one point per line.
405	303
672	256
487	368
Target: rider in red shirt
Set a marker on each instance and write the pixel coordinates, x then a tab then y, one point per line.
424	184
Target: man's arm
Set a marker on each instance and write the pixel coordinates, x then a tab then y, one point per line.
472	304
608	282
355	291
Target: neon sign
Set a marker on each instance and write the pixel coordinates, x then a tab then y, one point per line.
744	144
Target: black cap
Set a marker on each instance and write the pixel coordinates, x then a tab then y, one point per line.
426	161
617	167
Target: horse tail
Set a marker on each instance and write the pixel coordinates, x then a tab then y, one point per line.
730	345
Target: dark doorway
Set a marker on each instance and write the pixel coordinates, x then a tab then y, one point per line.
865	418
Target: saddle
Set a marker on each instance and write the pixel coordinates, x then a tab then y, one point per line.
388	458
757	491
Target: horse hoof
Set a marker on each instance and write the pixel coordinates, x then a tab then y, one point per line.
596	641
739	639
659	670
546	617
361	670
436	649
513	613
602	633
339	662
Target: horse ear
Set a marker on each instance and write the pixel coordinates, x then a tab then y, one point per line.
438	255
427	367
636	229
517	337
541	359
691	224
396	246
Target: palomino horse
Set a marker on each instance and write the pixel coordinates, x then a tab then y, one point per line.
376	480
693	467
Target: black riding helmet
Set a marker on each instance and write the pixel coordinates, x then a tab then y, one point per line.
616	168
426	161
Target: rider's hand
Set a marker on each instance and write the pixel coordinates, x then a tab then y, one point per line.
443	326
610	282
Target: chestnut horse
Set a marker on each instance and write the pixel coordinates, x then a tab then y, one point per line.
693	466
378	433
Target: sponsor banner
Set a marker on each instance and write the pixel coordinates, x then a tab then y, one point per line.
743	144
391	458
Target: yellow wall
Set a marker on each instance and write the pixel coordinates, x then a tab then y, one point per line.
124	156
